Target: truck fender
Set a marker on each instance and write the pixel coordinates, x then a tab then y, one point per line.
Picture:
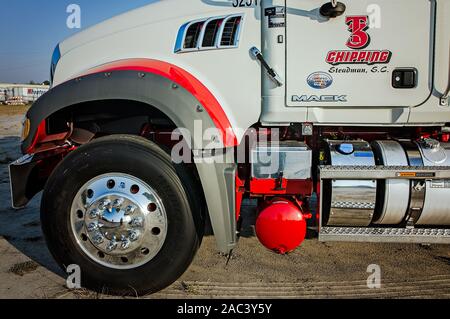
177	94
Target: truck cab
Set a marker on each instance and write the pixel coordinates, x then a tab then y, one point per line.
331	116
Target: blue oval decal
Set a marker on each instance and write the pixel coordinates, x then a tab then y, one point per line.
320	80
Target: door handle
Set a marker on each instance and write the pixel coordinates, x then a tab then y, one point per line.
256	53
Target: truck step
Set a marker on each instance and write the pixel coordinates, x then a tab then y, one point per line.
385	235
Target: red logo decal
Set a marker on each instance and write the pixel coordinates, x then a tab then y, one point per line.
358	25
359	40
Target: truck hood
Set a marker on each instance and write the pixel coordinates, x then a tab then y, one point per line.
161	10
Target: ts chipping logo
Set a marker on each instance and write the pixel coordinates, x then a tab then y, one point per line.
358	25
358	40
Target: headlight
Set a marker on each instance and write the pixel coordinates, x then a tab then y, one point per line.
26	125
55	59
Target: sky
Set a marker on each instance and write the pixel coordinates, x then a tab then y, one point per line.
30	30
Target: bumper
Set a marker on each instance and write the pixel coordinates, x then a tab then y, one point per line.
29	174
23	183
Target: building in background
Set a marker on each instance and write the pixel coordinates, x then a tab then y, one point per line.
26	93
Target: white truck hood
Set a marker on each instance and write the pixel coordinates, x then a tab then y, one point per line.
161	10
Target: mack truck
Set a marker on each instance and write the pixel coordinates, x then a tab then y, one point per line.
332	117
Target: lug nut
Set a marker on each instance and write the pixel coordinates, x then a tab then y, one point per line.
92	227
130	210
134	235
105	204
94	213
112	245
125	243
118	203
137	222
98	239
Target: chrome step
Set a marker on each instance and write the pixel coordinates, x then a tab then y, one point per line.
384	172
385	235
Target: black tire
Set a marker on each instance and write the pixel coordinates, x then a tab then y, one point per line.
145	160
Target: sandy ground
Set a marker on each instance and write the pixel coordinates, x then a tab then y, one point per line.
316	270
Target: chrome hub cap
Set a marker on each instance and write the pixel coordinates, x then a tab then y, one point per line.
119	221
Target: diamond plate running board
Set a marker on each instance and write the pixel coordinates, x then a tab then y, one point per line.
385	235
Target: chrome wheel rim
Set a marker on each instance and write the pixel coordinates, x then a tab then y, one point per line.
119	221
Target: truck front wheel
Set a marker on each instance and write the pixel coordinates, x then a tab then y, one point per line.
120	210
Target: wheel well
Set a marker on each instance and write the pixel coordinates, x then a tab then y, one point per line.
107	117
91	120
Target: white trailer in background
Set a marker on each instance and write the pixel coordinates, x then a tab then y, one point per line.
26	92
2	95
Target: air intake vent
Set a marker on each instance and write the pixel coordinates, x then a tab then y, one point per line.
230	31
192	35
212	29
209	34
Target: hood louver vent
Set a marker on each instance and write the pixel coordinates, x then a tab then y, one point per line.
212	29
209	34
192	35
229	31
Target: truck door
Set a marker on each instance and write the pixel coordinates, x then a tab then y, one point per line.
377	54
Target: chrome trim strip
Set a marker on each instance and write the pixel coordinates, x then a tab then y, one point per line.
445	96
181	36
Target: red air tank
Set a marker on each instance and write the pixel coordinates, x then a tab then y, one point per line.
281	226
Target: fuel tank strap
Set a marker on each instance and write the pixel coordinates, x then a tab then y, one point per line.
418	187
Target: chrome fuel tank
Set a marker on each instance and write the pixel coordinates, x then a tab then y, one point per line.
394	195
351	202
436	205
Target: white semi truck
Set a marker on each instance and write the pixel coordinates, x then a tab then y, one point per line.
333	116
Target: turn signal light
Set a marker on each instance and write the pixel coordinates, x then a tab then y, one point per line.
26	125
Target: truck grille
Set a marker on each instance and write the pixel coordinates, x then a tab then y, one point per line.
209	34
